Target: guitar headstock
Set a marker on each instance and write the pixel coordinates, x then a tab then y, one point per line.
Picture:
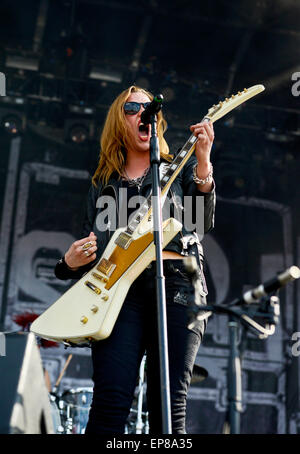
223	107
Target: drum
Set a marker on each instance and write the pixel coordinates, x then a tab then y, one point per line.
55	414
74	407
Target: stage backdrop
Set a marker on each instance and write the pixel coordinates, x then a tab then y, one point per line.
43	191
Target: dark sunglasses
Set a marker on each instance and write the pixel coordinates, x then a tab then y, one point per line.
132	108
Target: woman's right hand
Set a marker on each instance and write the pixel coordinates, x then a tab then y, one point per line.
77	255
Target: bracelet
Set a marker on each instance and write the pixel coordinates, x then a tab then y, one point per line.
201	181
63	262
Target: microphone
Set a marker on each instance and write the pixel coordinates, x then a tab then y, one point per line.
253	296
152	109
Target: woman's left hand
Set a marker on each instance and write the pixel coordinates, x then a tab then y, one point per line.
204	132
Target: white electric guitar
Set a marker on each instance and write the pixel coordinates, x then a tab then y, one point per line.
89	309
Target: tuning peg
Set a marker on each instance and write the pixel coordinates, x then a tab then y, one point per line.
245	90
226	99
233	96
239	93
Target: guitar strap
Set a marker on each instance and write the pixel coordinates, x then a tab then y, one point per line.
192	246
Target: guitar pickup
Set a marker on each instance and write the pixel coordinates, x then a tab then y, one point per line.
123	240
93	287
106	267
99	277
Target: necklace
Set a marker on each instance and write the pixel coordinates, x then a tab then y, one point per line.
136	181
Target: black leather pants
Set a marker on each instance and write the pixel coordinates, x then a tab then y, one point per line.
116	359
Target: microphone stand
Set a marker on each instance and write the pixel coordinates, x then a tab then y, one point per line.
269	311
234	377
160	280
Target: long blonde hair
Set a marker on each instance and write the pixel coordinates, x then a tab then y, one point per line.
113	142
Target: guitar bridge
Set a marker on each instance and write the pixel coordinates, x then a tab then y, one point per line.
123	240
106	267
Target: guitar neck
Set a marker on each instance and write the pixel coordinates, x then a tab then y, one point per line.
165	181
177	164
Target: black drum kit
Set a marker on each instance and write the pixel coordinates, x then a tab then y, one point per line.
70	410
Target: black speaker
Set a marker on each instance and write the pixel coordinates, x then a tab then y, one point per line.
25	405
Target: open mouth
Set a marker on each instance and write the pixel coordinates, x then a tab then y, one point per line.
144	132
143	129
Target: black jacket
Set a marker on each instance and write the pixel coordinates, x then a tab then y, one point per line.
182	186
